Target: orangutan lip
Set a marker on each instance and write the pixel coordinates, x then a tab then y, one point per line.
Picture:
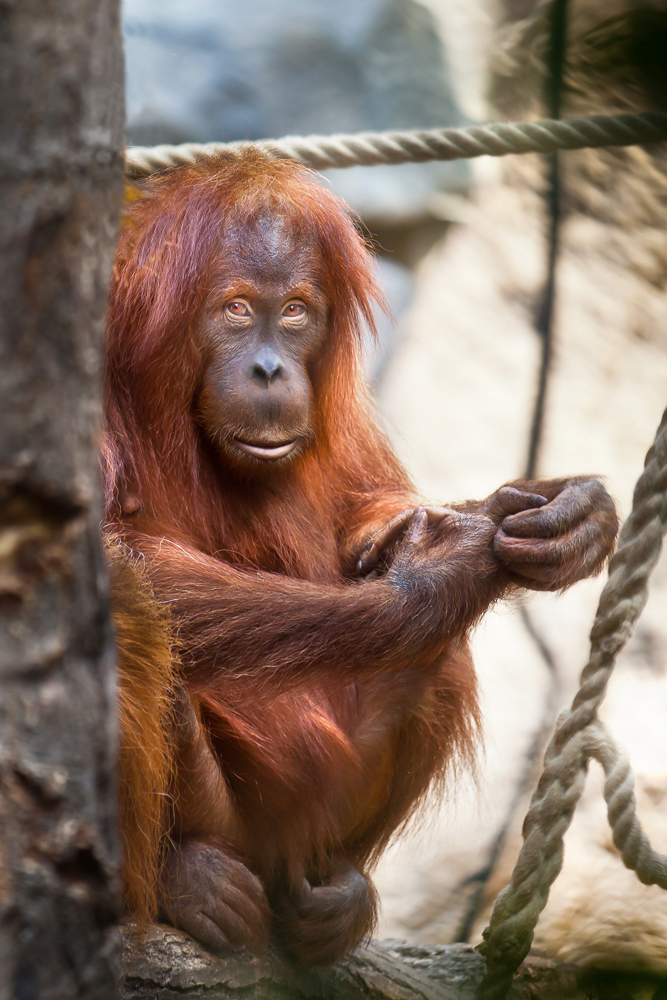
266	451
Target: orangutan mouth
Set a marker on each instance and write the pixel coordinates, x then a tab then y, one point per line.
268	452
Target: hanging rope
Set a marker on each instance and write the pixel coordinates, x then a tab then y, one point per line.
544	319
372	148
579	736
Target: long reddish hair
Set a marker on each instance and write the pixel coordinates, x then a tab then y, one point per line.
283	731
153	448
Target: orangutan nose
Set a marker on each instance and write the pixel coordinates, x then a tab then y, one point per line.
267	366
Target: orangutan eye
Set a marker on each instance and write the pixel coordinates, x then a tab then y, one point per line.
294	310
237	307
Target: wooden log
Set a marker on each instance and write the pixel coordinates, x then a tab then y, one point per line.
165	964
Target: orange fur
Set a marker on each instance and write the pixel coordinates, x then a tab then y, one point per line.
324	733
147	675
315	709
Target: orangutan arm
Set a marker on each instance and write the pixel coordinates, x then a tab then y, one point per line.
240	620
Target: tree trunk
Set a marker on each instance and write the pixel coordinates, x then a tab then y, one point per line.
61	120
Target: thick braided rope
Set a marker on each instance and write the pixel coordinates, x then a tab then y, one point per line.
418	145
628	836
578	736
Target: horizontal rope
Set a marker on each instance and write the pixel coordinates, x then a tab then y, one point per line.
419	145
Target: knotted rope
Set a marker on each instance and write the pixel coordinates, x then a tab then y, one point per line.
419	145
579	735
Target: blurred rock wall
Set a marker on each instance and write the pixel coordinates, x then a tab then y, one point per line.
457	398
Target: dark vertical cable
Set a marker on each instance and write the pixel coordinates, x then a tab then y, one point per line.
553	90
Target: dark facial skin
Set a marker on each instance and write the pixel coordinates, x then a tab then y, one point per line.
259	331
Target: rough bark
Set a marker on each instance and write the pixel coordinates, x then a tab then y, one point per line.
165	964
61	120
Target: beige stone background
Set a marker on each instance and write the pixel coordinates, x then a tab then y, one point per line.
456	398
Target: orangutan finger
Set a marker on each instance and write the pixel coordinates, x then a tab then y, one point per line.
389	534
382	539
559	516
438	514
576	544
554	563
418	526
508	500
